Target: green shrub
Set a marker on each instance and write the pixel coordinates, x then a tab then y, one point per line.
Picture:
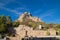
33	24
10	34
15	24
48	33
58	26
58	31
2	28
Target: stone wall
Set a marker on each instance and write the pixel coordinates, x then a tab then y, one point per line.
21	32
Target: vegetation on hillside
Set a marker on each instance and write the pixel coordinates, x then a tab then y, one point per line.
47	33
5	23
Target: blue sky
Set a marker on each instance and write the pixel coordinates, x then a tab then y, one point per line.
47	10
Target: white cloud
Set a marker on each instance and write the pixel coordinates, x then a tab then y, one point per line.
20	3
1	4
37	11
22	8
48	13
57	20
5	2
14	11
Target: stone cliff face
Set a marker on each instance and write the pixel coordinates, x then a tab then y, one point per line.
27	16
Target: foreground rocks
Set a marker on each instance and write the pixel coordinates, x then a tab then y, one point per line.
22	31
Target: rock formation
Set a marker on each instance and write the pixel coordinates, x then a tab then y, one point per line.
27	16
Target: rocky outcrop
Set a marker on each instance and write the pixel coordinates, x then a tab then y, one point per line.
27	16
21	32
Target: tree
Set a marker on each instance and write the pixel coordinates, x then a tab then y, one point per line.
5	22
2	23
16	24
2	28
2	19
8	21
